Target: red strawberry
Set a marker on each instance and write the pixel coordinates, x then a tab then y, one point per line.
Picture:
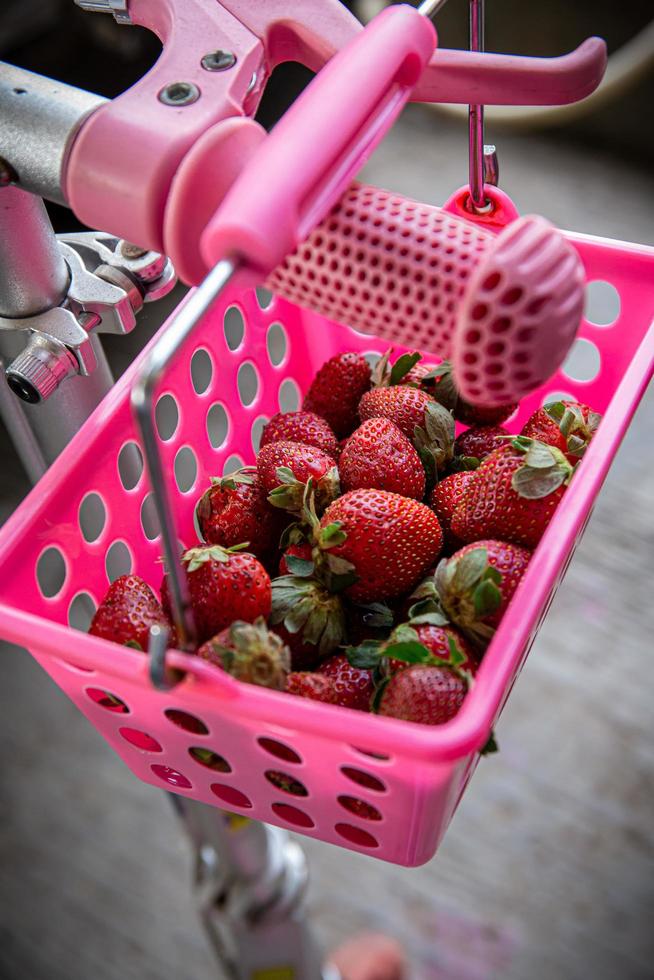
306	428
513	494
423	421
307	684
127	612
283	469
417	373
225	585
480	441
416	641
234	509
352	687
441	384
251	653
476	584
379	456
568	425
336	390
402	405
390	540
424	694
444	499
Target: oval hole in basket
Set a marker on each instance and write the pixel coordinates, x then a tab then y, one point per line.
166	416
264	297
201	370
256	432
107	700
289	396
130	465
140	740
602	303
372	357
186	721
355	835
185	468
292	815
234	327
277	343
51	572
232	464
248	383
365	779
371	755
149	519
209	759
279	750
171	776
217	425
118	561
288	784
583	362
81	611
359	808
558	396
92	517
230	795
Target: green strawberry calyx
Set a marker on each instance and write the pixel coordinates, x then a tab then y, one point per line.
291	493
304	605
544	470
254	654
434	441
385	375
195	558
444	390
469	590
576	430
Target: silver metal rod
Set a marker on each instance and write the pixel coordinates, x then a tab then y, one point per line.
33	274
476	115
429	8
40	118
199	303
20	432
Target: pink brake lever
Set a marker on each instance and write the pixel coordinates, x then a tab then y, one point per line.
313	32
330	130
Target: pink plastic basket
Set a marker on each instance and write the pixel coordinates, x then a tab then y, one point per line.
411	777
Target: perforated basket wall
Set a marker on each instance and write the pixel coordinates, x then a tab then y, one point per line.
210	738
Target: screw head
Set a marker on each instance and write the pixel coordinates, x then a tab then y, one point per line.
218	60
130	251
179	94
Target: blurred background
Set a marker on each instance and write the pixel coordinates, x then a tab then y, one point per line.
548	868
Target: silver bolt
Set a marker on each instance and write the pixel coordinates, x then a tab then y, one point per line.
179	94
40	369
218	60
130	251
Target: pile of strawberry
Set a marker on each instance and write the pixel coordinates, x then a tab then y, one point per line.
368	557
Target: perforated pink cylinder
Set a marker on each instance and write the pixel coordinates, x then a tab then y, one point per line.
505	307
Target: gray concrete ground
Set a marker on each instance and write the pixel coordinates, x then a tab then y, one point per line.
547	869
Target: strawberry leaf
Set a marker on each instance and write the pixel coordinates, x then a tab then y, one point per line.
457	656
486	598
376	615
555	410
490	746
403	365
410	652
469	569
433	618
302	567
332	535
134	644
539	456
378	695
366	656
533	484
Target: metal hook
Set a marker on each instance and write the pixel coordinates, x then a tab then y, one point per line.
163	352
482	159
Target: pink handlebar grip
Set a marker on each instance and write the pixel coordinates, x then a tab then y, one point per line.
309	159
